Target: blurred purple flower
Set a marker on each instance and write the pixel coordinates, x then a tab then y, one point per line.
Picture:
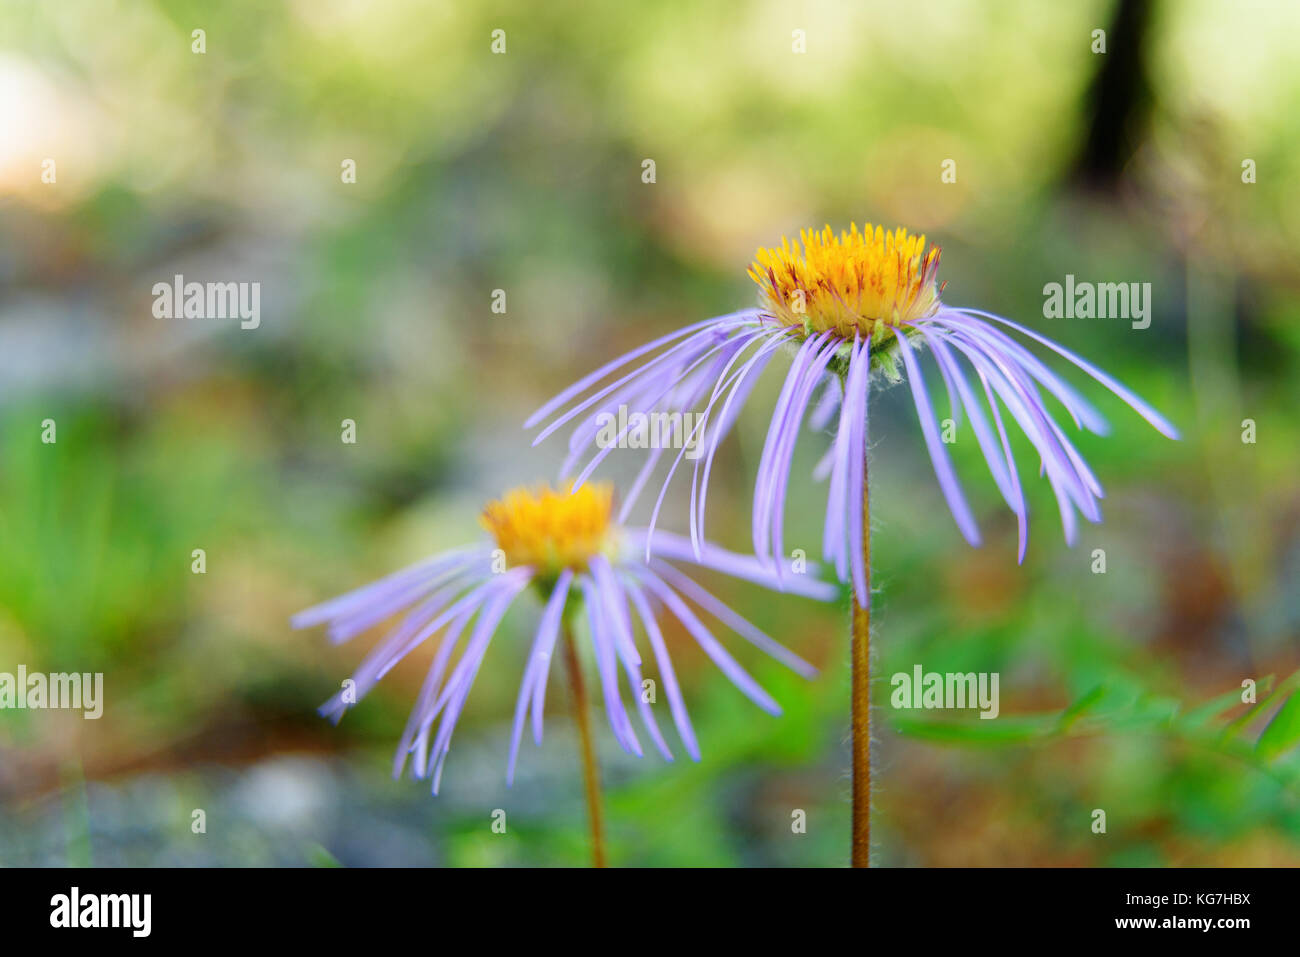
568	548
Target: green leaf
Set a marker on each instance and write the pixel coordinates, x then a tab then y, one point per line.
1205	713
1283	732
1239	724
1081	707
318	856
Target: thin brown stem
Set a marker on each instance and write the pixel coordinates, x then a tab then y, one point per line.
590	770
860	656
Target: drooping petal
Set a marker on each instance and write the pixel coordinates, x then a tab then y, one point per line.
949	386
979	424
397	645
469	599
727	664
603	644
415	736
587	381
389	594
771	462
938	454
676	704
855	487
747	567
611	592
741	626
663	490
462	680
1013	475
1083	412
837	505
745	381
700	433
1027	412
726	347
1075	477
663	371
638	486
663	368
812	375
511	583
736	347
826	406
1130	398
532	689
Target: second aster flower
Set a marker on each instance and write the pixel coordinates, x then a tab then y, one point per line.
583	564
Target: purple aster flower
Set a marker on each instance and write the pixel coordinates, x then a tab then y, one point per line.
565	545
852	308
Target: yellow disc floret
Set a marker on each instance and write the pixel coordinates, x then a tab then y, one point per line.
848	283
552	530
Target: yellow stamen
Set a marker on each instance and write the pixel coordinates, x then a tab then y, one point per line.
848	283
552	530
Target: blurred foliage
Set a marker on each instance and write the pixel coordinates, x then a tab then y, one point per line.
523	172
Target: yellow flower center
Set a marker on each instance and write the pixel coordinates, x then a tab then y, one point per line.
552	530
848	283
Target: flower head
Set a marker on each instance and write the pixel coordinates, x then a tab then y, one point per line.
588	568
856	282
849	306
553	530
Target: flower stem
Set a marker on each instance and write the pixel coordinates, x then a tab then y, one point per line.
860	657
590	770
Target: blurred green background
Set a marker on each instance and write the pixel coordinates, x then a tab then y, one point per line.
523	172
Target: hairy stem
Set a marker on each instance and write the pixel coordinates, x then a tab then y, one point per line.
590	770
860	657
